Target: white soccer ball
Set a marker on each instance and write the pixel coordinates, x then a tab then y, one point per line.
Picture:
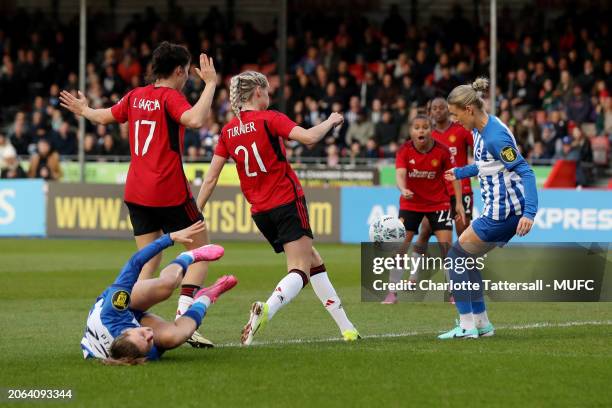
387	229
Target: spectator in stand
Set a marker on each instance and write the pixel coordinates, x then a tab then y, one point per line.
45	163
359	131
584	164
108	146
90	145
522	92
65	140
129	68
11	168
356	152
5	148
372	151
387	93
20	138
579	107
387	130
376	112
563	91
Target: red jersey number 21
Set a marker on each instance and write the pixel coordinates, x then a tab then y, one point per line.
145	147
246	159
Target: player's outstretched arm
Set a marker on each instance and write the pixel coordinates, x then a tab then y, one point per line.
210	180
316	133
458	173
196	116
80	107
129	274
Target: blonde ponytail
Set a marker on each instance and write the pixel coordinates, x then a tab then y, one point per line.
472	94
242	87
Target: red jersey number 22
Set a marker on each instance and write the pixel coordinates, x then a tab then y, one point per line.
246	159
145	147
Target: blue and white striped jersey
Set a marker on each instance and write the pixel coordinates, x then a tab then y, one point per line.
507	182
111	314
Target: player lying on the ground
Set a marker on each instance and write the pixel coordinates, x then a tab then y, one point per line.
255	140
119	328
510	197
459	140
420	164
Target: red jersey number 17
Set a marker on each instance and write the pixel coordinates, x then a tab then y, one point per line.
246	159
145	148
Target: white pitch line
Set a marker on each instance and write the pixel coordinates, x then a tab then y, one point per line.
538	325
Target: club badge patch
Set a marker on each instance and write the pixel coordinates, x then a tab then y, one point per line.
120	299
509	154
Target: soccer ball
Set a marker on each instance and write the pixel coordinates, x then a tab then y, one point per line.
387	229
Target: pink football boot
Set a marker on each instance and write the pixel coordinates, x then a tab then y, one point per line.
210	252
222	285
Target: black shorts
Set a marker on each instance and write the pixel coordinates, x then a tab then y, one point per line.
168	219
468	205
286	223
438	220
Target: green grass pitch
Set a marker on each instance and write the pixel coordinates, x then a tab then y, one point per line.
48	286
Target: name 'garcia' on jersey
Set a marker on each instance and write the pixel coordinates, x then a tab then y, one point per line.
146	104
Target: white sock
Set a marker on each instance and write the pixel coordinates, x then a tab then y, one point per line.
481	319
466	321
203	299
417	266
183	304
327	295
285	291
396	275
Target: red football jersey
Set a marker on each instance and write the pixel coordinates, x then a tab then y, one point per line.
425	177
457	139
155	177
266	178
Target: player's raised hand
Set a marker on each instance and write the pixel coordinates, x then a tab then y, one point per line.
206	72
449	175
72	103
184	236
407	194
524	226
336	118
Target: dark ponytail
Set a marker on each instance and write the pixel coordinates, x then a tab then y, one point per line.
167	57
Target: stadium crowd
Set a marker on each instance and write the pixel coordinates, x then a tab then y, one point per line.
553	86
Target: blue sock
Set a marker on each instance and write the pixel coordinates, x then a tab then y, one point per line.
478	303
197	311
184	261
458	274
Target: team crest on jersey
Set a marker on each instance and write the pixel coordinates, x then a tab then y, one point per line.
120	299
435	162
452	138
508	154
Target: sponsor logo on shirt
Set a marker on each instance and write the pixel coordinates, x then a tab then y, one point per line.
422	174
